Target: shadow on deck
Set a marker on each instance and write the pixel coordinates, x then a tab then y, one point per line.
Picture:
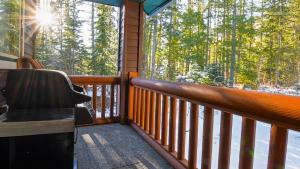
114	146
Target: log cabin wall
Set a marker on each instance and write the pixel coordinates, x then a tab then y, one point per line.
130	54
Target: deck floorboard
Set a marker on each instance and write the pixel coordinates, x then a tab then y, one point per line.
115	146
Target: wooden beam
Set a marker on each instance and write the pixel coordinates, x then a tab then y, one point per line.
129	53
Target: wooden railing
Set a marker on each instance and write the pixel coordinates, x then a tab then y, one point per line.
103	90
153	114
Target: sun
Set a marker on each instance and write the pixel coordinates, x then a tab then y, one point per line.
45	18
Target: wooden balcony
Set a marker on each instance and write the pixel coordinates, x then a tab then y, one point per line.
166	115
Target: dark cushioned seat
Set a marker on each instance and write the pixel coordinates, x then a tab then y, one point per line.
35	89
42	89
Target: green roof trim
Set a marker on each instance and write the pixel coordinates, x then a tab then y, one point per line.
151	7
116	3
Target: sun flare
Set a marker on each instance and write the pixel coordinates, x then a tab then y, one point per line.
45	18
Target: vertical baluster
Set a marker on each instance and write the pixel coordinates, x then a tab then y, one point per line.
181	130
277	147
147	111
135	107
247	144
152	113
207	138
193	138
143	109
95	101
103	107
172	124
112	100
139	106
164	127
157	116
85	86
130	102
225	140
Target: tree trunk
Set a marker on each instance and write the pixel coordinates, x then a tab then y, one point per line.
233	54
207	56
153	50
93	29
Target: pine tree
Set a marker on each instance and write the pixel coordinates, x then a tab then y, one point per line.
9	26
104	57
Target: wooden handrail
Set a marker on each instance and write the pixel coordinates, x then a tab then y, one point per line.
276	109
95	83
281	111
94	79
24	62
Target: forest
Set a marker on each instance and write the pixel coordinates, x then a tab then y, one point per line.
81	39
9	26
225	42
216	42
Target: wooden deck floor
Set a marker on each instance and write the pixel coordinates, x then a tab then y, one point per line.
114	146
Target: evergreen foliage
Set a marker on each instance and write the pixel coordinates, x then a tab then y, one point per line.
248	42
62	45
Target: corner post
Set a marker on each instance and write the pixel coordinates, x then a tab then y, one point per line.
131	96
130	53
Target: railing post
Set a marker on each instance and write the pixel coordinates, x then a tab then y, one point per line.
172	124
95	102
181	130
225	140
157	135
112	100
103	101
164	123
147	111
277	147
193	138
207	138
131	95
152	113
247	144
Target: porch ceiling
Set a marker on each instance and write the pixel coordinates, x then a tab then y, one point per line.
151	7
